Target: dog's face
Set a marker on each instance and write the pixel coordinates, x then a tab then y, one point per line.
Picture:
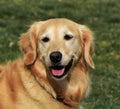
59	47
59	44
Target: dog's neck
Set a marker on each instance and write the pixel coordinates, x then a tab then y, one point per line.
68	90
59	86
54	87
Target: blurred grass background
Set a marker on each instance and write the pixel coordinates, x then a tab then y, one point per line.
102	16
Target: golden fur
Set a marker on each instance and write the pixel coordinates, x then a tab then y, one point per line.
27	83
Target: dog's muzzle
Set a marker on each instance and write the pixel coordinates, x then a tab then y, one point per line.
57	69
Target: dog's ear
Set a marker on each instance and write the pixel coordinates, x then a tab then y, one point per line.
88	48
28	46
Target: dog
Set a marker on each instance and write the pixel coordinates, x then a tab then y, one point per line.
53	72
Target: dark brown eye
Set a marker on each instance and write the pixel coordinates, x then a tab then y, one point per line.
68	37
45	39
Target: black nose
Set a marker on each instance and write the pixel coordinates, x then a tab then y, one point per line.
55	57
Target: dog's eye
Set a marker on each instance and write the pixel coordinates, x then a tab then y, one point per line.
68	37
45	39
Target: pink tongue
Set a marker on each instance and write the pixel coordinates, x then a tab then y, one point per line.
57	72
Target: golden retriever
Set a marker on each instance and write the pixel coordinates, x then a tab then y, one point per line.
53	74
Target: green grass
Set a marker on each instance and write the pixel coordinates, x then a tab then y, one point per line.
102	16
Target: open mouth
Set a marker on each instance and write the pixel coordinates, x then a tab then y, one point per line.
60	71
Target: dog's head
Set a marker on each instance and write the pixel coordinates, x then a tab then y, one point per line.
59	44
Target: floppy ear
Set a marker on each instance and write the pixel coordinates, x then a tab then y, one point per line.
28	46
88	49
